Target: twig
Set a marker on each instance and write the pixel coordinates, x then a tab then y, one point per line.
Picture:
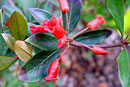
64	51
74	43
67	24
11	2
79	33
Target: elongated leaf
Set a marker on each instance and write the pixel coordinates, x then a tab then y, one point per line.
75	7
18	26
23	50
43	41
123	61
5	62
40	14
37	67
9	40
2	44
10	9
116	9
93	37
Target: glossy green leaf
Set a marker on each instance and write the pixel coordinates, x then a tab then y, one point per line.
8	9
64	21
18	26
123	61
75	7
5	62
43	41
23	50
9	40
37	67
93	37
116	9
40	14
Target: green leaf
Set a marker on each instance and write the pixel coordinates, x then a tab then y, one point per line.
37	67
5	62
64	21
9	40
123	61
93	37
40	14
43	41
10	9
26	5
23	50
18	26
75	7
2	44
116	9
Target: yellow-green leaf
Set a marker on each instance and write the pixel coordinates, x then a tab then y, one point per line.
23	50
18	26
9	40
5	62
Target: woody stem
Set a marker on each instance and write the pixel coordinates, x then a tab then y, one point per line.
67	24
64	51
75	43
79	33
102	46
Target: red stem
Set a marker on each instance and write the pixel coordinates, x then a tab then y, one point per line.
63	52
11	2
67	24
79	33
89	46
75	43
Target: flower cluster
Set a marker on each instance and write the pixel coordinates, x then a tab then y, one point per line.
51	26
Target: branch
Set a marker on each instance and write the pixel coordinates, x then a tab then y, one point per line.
79	33
75	43
67	24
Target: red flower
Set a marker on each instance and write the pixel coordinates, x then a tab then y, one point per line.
99	51
95	23
46	27
58	31
37	28
61	42
64	5
49	24
53	71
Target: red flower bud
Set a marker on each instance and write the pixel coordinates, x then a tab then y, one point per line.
37	28
95	23
99	51
58	31
61	42
53	71
64	5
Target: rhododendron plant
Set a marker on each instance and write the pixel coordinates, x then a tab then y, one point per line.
40	43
